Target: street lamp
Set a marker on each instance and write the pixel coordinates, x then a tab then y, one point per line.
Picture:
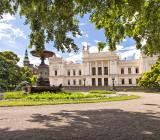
113	79
84	79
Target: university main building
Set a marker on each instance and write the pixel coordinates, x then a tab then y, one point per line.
98	69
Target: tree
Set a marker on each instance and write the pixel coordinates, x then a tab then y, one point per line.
51	20
10	73
48	20
139	19
8	69
151	79
26	74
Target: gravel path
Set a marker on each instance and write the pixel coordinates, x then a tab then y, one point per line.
123	120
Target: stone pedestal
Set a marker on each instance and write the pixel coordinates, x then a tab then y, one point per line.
43	83
43	75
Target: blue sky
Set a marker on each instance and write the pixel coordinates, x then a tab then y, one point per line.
14	36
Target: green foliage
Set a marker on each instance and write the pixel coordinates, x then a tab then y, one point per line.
101	46
10	73
151	79
33	79
14	95
51	96
9	70
25	102
48	21
26	74
139	19
51	20
101	92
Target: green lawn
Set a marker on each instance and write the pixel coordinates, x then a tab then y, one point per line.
20	99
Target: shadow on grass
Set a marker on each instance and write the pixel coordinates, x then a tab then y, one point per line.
107	124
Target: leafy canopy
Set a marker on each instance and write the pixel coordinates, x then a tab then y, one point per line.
151	79
51	20
10	73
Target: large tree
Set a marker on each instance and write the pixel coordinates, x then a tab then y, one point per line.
10	73
139	19
48	20
51	20
151	79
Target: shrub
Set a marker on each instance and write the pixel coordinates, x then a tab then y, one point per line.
101	92
14	95
51	96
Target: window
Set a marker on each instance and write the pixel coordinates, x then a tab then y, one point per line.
69	82
122	70
137	70
106	81
93	82
130	81
80	82
55	72
99	70
93	71
129	70
105	70
74	82
99	81
74	72
80	73
122	81
68	73
137	81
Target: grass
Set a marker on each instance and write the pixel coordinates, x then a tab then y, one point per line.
101	92
21	99
50	96
30	102
14	95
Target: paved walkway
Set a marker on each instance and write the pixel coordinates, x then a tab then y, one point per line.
123	120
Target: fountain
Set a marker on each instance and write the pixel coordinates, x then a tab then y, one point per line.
42	83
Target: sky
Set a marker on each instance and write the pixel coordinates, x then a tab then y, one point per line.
14	36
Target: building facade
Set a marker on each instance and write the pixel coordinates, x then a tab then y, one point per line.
98	69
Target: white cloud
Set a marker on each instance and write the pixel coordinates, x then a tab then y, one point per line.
75	57
97	41
71	54
33	60
9	31
93	49
125	40
131	52
86	35
85	44
7	17
119	47
82	24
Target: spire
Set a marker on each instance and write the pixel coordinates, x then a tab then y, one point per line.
26	55
26	59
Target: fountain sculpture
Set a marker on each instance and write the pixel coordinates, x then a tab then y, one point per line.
43	83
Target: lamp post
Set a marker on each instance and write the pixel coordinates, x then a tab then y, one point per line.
84	79
113	79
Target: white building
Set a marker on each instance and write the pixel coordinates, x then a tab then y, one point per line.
98	69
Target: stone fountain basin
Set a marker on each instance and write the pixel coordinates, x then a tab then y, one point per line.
40	89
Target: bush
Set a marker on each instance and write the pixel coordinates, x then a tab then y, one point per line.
14	95
101	92
51	96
